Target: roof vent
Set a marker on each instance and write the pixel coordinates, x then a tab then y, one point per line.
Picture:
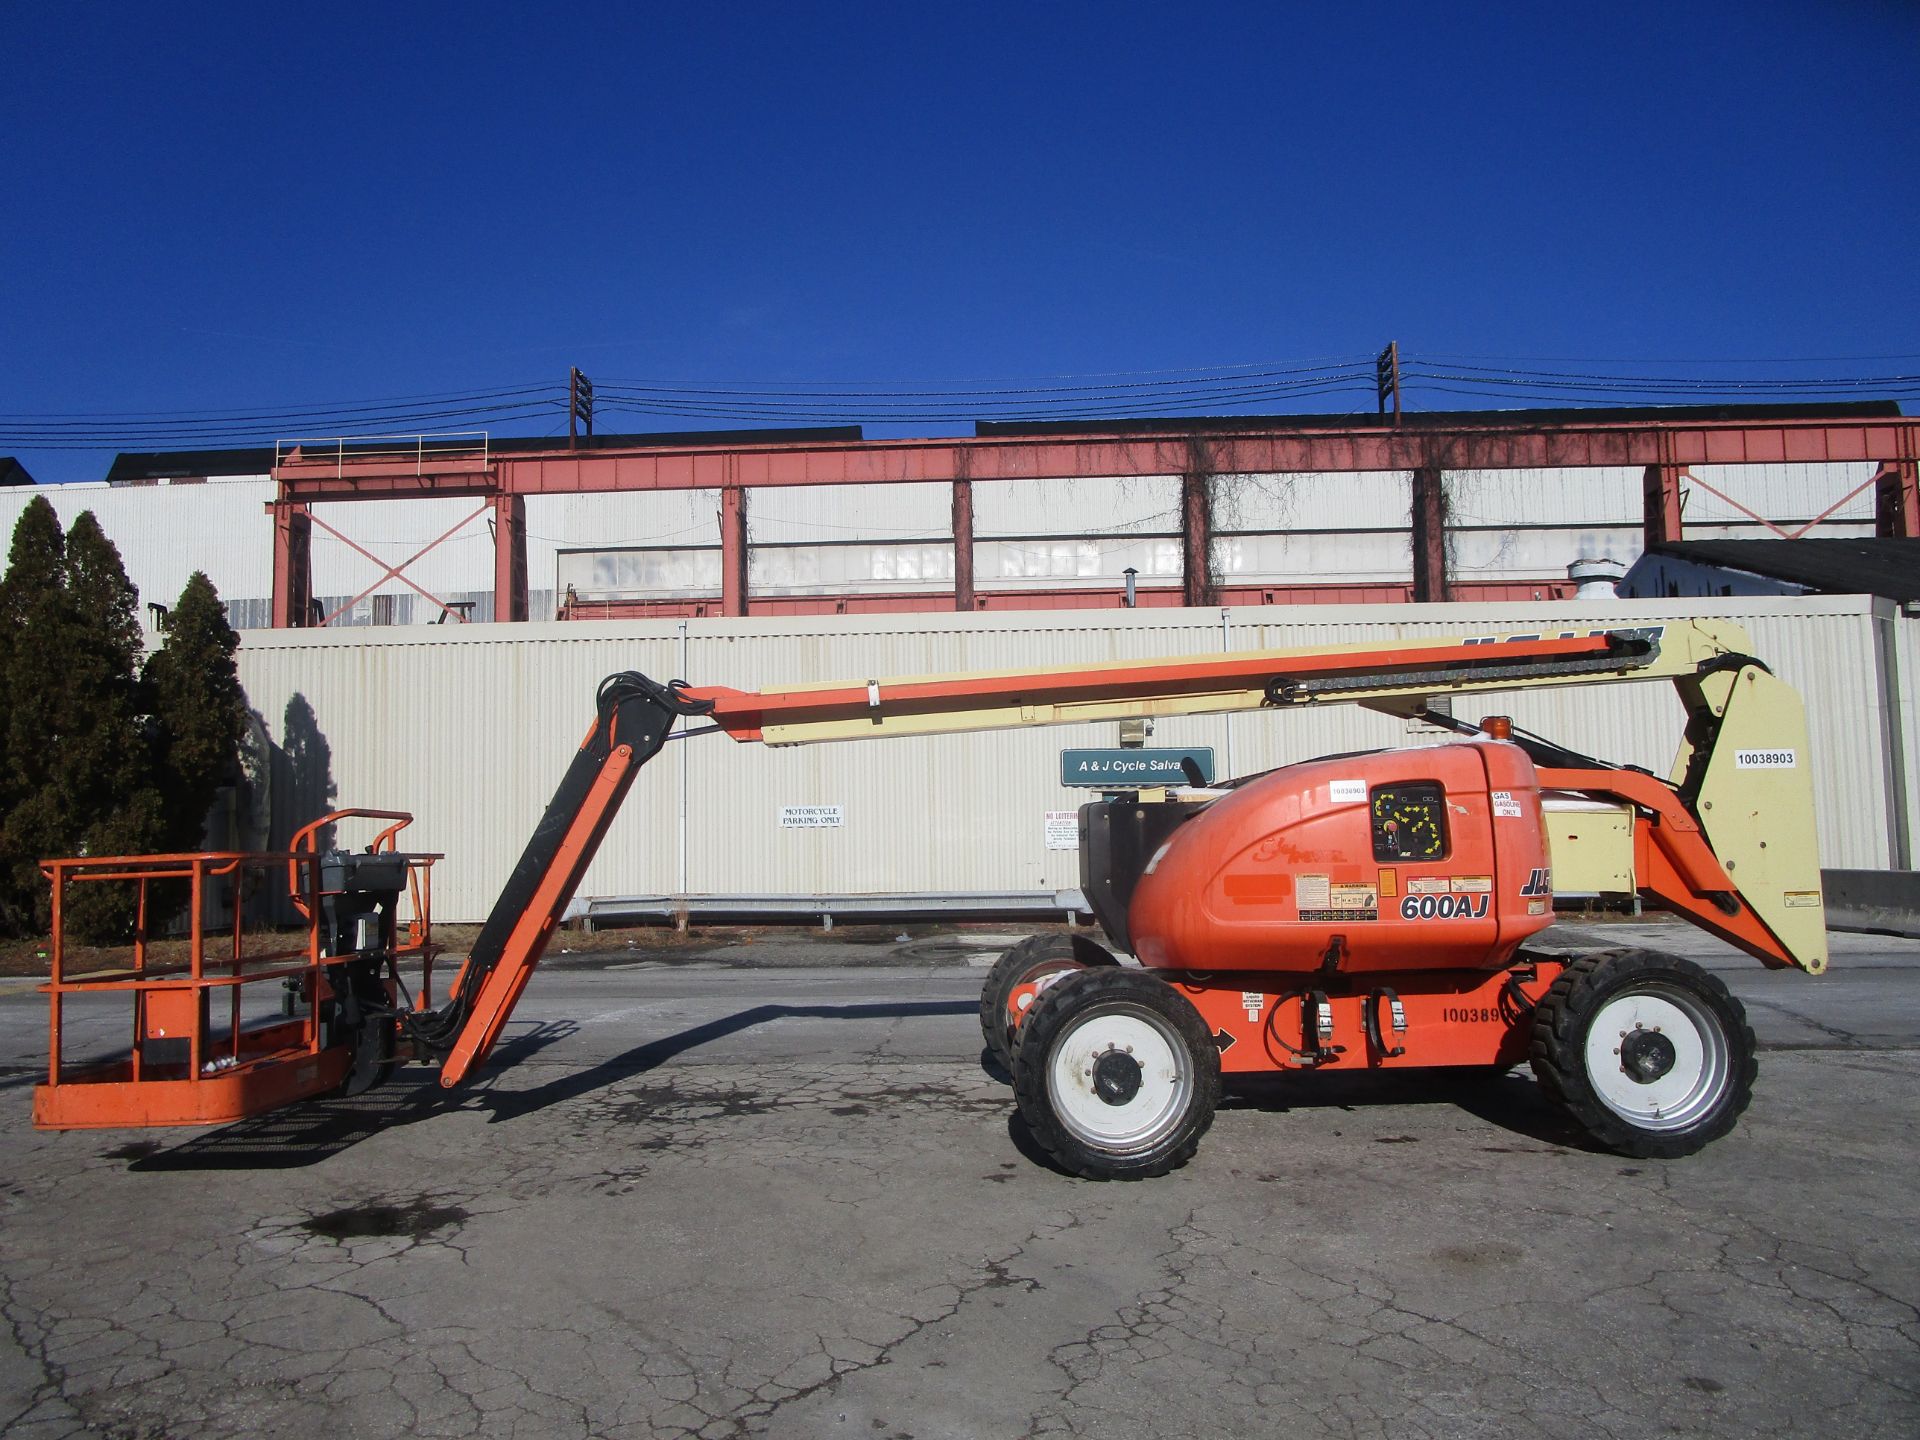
1595	578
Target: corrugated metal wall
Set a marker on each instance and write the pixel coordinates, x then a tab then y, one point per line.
1903	666
470	728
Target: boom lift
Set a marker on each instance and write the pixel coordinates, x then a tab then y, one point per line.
1353	913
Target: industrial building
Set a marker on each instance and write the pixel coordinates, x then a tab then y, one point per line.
1281	510
357	569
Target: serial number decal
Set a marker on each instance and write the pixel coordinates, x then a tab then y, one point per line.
1472	1015
1764	759
1444	907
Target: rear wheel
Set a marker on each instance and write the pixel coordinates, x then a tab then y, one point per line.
1648	1052
1031	959
1116	1075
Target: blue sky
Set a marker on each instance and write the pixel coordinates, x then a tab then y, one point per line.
215	207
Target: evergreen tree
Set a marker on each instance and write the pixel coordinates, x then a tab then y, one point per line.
199	710
33	685
100	756
103	769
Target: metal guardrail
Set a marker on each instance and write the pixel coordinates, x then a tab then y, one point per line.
823	909
472	446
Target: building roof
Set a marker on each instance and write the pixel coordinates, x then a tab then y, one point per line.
12	472
1862	566
131	468
135	468
1451	419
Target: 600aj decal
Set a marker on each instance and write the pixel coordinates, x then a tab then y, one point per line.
1443	907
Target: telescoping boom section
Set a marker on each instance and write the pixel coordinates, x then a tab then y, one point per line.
1726	839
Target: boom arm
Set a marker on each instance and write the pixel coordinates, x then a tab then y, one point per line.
1396	678
635	716
1680	851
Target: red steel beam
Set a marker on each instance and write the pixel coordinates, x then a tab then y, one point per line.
1896	505
509	557
1660	496
1196	537
1429	508
292	566
733	550
1494	446
963	545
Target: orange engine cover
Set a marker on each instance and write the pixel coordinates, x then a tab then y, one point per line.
1423	859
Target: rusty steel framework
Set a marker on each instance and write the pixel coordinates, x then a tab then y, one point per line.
1665	445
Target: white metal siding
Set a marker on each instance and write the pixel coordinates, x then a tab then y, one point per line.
1146	504
470	729
1363	500
166	532
818	514
1779	492
1903	651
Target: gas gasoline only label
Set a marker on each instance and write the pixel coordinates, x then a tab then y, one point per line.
1764	760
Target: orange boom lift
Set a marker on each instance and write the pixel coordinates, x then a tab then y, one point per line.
1359	912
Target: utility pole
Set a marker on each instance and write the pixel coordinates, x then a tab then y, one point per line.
579	405
1386	378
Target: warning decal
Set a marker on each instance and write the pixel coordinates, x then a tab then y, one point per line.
1355	897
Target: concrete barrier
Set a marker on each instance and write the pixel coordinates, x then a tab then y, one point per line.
1886	902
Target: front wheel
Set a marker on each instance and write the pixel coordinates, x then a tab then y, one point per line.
1649	1053
1115	1074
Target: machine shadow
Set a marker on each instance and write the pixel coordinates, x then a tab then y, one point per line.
511	1105
1508	1100
303	1135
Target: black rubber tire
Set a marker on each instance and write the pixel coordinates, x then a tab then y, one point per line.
1102	993
1565	1019
1031	958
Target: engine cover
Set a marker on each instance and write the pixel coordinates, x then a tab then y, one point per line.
1422	859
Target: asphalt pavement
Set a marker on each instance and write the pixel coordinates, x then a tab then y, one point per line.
773	1189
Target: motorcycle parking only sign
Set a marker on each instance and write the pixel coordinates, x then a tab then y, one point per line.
812	817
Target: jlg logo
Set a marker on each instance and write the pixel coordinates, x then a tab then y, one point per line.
1443	907
1540	882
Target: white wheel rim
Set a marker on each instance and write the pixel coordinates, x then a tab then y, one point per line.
1692	1085
1165	1080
